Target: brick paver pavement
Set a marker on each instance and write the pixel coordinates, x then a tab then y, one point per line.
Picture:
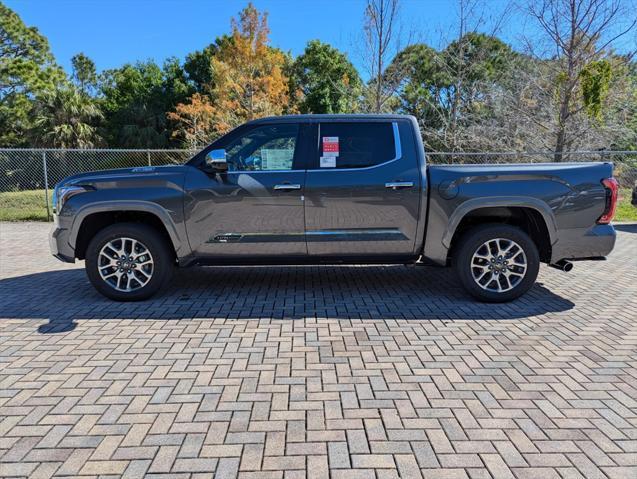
342	372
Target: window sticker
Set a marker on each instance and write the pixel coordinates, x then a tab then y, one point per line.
328	162
330	146
276	159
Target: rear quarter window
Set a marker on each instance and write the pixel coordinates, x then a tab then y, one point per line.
355	145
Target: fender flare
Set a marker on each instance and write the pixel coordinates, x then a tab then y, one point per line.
500	201
126	205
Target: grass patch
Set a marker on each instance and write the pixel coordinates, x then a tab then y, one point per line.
30	206
625	211
23	205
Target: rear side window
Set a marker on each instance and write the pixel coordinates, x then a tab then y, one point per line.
355	145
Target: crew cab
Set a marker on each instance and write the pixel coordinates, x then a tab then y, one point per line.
333	189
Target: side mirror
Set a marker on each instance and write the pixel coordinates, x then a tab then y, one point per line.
216	160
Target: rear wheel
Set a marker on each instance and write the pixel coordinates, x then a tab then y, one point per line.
497	263
128	261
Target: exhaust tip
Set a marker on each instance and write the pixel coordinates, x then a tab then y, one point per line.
562	265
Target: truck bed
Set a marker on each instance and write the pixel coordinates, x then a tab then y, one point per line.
569	197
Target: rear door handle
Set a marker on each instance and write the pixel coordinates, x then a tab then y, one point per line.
397	185
287	187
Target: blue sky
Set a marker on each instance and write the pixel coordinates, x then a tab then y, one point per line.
114	32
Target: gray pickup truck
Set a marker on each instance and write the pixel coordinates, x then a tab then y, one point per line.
333	189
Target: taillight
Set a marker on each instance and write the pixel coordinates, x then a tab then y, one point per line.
612	187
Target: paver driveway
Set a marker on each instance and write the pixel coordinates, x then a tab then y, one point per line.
316	371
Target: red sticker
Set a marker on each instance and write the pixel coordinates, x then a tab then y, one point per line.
330	145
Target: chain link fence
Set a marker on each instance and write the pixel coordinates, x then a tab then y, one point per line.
27	176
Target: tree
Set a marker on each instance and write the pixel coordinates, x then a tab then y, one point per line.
175	85
133	107
84	73
452	92
27	69
579	35
628	116
198	65
194	122
327	80
423	89
67	118
135	99
381	36
468	72
248	74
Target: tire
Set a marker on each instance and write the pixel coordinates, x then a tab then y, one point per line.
153	261
498	277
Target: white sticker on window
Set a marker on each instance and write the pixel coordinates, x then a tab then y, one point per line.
276	158
328	162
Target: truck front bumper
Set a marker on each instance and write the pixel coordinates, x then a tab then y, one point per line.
580	243
59	243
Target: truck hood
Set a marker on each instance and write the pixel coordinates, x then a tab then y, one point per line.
124	175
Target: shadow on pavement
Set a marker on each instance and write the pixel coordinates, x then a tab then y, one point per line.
627	227
342	293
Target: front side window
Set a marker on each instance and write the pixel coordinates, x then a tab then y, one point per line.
355	145
263	148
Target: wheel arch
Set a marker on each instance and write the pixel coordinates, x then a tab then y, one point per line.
531	215
91	219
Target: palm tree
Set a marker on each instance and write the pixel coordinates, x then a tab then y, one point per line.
65	118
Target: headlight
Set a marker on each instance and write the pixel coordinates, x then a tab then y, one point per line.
62	193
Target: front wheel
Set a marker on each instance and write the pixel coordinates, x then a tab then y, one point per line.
128	261
497	263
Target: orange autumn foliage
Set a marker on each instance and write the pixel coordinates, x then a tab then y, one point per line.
248	82
248	74
195	121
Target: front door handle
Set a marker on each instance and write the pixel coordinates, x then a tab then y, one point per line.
287	187
397	185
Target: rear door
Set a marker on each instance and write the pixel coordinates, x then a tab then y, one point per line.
362	190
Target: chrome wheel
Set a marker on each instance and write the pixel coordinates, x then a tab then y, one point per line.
125	264
498	265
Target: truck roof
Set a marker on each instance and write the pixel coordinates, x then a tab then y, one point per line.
310	118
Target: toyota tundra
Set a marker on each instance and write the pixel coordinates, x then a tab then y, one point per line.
333	189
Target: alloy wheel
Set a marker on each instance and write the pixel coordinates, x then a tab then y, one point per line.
499	265
125	264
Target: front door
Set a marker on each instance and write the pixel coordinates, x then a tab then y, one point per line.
255	209
363	190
